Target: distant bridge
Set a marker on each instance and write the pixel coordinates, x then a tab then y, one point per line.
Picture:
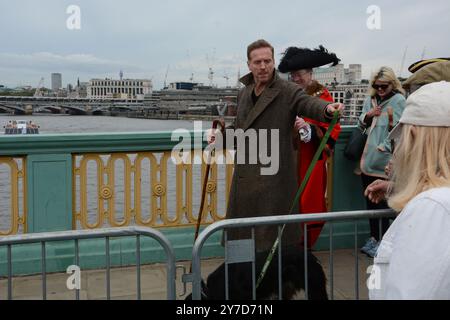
78	106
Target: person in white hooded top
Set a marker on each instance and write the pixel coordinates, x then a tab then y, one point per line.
413	260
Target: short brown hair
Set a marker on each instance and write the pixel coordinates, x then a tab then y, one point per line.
261	43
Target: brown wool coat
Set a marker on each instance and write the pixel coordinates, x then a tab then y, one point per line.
253	194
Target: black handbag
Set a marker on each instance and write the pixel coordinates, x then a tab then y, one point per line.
355	145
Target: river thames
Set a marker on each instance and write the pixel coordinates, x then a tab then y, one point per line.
53	124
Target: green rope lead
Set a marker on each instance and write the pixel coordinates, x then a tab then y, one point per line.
299	192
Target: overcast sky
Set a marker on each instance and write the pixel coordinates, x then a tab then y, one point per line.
145	38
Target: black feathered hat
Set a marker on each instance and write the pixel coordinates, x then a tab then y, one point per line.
303	58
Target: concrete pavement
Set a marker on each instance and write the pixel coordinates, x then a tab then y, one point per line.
153	280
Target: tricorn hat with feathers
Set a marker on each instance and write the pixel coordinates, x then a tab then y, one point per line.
303	58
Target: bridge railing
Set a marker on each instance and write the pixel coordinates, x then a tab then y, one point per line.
91	181
87	181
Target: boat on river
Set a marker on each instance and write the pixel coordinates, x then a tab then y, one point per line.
21	127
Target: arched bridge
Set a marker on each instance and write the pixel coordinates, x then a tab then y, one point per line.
28	105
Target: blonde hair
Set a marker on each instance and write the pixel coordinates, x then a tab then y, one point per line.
388	75
421	162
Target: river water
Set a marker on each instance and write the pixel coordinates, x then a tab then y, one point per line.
84	124
60	124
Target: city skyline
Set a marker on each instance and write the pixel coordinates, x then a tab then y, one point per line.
192	36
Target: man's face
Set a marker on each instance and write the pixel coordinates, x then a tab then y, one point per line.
261	64
302	77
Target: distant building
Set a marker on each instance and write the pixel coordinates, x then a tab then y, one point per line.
182	85
338	74
81	89
56	81
327	76
355	73
192	86
131	89
23	88
352	96
62	93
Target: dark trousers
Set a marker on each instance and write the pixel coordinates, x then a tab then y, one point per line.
375	223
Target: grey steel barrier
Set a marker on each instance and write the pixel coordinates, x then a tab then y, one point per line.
106	233
280	220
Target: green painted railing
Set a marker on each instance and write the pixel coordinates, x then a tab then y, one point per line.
49	198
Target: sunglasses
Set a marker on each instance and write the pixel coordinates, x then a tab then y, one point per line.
380	86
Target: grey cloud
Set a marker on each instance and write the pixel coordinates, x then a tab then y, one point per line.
47	60
144	36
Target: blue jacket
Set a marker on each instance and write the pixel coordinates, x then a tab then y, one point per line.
377	151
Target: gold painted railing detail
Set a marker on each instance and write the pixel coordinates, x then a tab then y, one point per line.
12	175
182	187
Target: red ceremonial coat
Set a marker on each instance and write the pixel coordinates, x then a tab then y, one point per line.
313	199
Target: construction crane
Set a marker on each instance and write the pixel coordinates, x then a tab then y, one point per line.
423	54
38	92
210	69
210	76
226	78
191	78
165	77
403	63
238	82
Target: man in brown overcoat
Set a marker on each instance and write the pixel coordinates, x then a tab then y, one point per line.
271	103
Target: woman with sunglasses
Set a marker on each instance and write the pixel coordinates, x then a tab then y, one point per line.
386	96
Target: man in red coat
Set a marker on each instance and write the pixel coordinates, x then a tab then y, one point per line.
308	133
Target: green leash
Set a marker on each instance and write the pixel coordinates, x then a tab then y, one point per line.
297	196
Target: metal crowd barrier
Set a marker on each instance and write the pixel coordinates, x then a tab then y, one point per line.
77	235
280	220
